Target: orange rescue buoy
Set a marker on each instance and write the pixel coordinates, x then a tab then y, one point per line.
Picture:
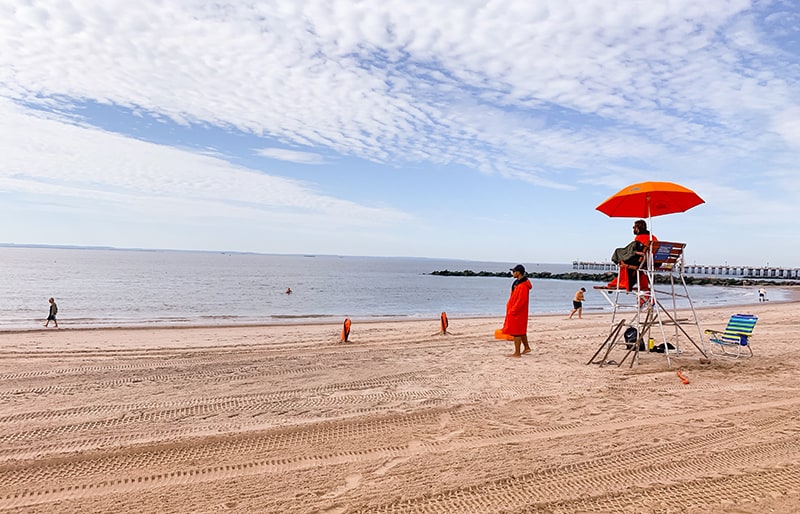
345	330
499	334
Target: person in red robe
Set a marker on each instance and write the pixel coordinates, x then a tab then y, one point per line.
628	273
516	322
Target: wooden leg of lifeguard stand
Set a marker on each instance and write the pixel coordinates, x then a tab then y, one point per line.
610	340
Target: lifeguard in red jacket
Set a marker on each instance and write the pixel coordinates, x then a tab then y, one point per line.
516	322
629	272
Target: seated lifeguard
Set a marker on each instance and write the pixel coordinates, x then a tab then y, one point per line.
631	258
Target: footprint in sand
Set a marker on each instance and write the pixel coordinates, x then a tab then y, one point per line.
336	509
351	481
448	436
390	464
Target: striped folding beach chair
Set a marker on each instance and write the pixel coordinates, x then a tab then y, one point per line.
735	336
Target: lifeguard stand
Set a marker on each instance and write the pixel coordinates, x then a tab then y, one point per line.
651	317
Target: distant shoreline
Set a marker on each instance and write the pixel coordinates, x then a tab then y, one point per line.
356	320
42	246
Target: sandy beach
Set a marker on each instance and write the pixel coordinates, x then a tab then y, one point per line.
400	419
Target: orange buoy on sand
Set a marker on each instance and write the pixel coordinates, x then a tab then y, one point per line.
345	330
444	323
499	334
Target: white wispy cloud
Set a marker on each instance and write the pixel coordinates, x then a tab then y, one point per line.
787	125
352	76
564	95
91	165
283	154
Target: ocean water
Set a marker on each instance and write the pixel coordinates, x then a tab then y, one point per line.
102	288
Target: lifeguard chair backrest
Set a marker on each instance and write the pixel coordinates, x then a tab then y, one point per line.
740	328
666	254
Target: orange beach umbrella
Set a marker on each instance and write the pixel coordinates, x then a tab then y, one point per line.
648	199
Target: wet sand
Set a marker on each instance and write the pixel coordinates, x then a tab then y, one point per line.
399	419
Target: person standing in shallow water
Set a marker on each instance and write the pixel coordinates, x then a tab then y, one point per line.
52	315
516	322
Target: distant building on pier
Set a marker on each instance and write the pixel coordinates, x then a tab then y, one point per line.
764	272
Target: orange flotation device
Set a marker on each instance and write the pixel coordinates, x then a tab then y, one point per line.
499	334
444	323
345	330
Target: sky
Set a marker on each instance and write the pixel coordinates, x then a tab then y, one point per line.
455	129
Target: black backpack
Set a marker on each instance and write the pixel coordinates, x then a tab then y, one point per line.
631	335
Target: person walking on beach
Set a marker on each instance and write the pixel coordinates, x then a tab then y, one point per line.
52	315
516	322
762	294
577	303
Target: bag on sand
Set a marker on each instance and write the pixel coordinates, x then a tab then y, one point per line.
631	335
659	348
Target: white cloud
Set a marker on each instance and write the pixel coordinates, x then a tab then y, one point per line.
90	165
787	125
283	154
562	94
346	75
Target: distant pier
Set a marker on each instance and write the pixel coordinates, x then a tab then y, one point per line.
696	269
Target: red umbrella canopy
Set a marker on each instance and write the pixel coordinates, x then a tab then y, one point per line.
648	199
